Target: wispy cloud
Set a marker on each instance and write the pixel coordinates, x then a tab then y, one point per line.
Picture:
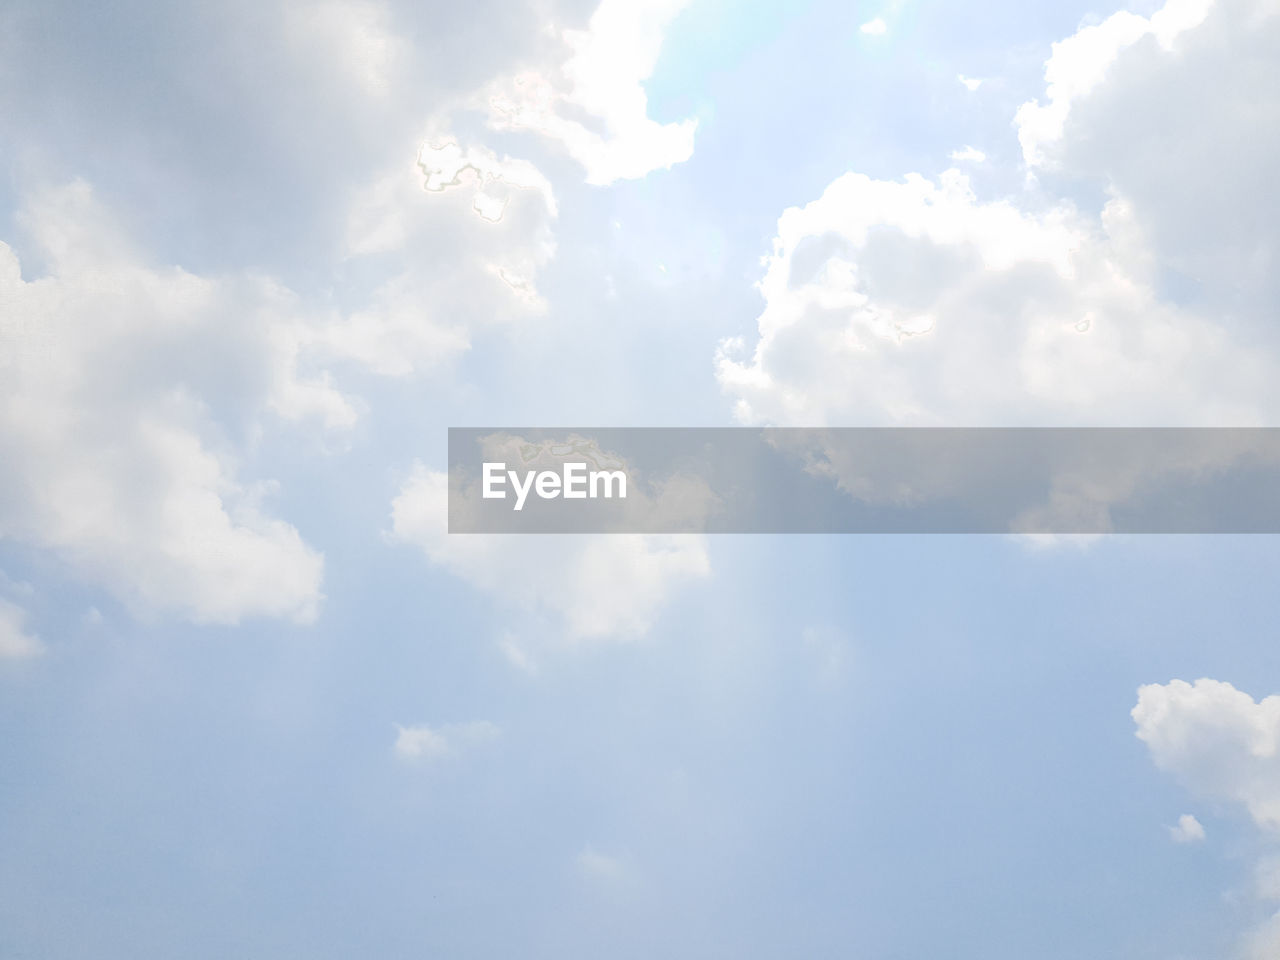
425	743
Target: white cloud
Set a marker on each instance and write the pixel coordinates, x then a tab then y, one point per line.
593	101
1195	176
970	83
15	641
1223	746
875	28
425	743
970	154
496	213
917	302
914	302
123	389
593	586
1080	63
1217	741
129	392
1187	830
491	180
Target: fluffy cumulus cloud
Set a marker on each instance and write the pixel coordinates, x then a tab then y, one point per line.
129	388
592	101
590	587
915	301
1218	741
1223	746
1184	124
1079	64
123	388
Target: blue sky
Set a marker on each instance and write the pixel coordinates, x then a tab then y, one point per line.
256	702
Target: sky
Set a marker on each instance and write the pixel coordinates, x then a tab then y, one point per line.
255	258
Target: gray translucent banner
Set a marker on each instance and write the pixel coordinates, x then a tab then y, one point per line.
860	480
